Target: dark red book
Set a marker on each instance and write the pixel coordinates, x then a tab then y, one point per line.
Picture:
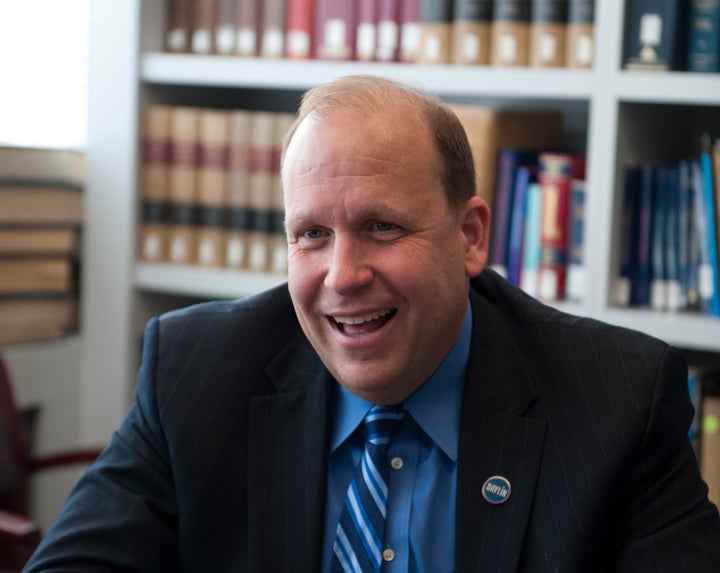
335	28
408	17
388	31
299	29
366	33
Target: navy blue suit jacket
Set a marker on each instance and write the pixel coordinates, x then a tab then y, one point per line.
220	464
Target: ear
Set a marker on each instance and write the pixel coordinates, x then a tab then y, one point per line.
476	228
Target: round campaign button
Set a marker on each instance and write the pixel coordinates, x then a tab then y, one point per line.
496	490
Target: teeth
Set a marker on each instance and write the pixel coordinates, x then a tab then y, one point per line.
362	318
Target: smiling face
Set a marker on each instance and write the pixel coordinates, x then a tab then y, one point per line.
378	262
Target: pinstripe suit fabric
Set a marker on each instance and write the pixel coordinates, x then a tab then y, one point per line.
220	465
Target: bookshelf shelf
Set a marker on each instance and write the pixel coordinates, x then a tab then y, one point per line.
205	283
466	81
669	87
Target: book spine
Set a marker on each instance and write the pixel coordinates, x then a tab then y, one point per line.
204	22
472	22
278	240
576	289
408	16
688	203
640	288
531	241
335	28
262	173
156	149
435	21
388	31
659	246
225	36
580	41
655	35
628	235
367	27
555	172
272	29
524	177
704	41
247	28
548	30
510	33
299	31
669	177
238	201
179	27
712	229
182	190
212	185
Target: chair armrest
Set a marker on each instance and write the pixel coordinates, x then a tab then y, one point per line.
64	458
19	537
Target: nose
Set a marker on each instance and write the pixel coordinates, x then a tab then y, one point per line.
348	269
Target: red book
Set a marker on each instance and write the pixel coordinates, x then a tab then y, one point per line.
555	174
299	30
335	26
366	33
388	31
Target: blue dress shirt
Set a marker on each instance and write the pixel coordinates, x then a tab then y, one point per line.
420	526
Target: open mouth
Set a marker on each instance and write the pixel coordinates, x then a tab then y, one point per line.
363	324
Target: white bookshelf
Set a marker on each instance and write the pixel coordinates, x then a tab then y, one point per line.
603	107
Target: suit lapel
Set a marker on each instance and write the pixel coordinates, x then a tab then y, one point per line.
496	439
287	464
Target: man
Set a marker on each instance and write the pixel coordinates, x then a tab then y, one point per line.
527	440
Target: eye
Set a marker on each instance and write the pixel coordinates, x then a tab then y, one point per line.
313	234
384	226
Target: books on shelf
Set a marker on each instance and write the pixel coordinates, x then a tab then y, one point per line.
31	319
547	33
655	35
704	36
669	236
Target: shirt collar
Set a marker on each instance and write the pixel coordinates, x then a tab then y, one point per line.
435	406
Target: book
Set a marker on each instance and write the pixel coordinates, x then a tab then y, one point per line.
34	240
203	27
703	53
510	33
531	240
247	28
580	40
261	180
508	164
668	180
435	19
525	176
366	33
709	210
212	187
32	319
655	35
491	129
688	251
238	199
408	17
548	31
659	247
472	21
278	250
576	288
555	172
641	275
179	25
43	165
36	275
225	36
388	31
182	184
629	224
335	28
154	185
30	203
272	29
299	29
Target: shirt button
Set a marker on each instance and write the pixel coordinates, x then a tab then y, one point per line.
396	463
388	555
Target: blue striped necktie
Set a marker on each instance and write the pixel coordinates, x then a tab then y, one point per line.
359	537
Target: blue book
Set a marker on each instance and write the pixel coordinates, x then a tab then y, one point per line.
628	234
508	162
642	275
655	35
531	240
659	247
670	182
707	259
524	176
704	36
685	232
712	229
